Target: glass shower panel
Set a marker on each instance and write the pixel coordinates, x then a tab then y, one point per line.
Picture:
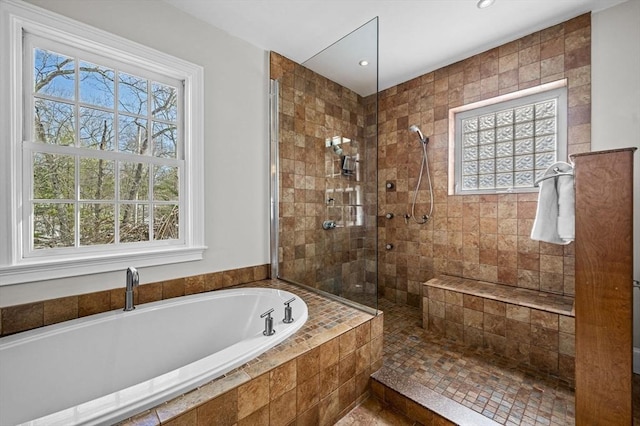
325	173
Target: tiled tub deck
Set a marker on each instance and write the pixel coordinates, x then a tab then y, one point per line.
313	378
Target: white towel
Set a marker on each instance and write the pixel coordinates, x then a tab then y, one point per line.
555	216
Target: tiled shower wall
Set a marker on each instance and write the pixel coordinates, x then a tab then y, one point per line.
313	188
483	237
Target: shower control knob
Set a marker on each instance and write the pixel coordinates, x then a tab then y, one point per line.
328	224
390	185
389	215
389	246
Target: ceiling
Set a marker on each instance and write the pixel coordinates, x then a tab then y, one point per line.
415	36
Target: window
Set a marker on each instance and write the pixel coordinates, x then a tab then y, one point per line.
104	151
504	144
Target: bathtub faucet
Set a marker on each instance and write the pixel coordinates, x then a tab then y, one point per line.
132	282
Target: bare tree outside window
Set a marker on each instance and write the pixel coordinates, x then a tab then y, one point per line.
116	176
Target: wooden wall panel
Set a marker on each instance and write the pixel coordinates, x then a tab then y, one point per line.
604	273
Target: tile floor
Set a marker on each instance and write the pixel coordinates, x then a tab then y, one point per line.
496	388
501	390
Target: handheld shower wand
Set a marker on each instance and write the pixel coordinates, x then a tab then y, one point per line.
425	163
416	129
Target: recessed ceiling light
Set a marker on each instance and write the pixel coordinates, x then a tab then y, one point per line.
363	63
484	3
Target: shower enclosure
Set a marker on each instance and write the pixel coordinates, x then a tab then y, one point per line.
324	168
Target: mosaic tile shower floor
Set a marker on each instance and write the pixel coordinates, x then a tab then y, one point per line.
493	387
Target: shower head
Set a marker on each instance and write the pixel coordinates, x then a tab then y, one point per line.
416	129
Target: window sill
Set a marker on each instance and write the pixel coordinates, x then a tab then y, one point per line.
46	269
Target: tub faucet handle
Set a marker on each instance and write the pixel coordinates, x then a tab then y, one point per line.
288	317
268	323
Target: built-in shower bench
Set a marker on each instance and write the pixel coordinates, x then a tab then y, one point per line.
528	326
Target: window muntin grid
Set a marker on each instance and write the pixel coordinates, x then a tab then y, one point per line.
91	119
505	146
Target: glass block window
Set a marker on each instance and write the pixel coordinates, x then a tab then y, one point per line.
506	143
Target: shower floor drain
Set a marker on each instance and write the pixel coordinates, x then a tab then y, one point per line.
414	338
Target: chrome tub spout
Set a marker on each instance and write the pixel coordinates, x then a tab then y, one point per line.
132	282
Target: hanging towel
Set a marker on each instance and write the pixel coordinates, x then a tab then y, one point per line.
555	216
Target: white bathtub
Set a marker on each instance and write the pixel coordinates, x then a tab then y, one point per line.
104	368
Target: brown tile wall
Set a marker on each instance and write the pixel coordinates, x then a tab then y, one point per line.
14	319
534	337
312	109
482	237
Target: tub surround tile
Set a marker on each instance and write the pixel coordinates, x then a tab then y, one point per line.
283	409
196	398
173	288
194	284
253	395
311	417
346	396
213	281
283	379
308	365
117	298
347	343
222	410
259	417
94	303
329	408
148	293
22	317
308	394
329	379
62	309
72	307
150	418
188	419
363	334
329	352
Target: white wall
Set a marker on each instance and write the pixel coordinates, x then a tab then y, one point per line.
236	141
615	114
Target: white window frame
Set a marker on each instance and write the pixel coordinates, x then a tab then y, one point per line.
18	18
556	89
